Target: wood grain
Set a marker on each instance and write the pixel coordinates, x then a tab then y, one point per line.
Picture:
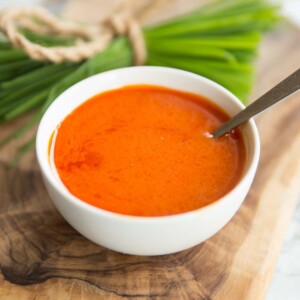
42	257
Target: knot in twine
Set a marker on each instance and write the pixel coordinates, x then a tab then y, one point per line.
89	39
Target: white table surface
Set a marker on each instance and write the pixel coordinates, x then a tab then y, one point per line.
285	283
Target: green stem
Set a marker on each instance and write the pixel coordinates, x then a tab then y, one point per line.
35	86
219	24
7	55
34	76
26	105
188	48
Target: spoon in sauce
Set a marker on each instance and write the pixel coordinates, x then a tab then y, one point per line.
279	92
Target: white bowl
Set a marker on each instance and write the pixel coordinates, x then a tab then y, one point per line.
145	235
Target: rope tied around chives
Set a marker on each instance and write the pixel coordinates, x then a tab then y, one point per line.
90	39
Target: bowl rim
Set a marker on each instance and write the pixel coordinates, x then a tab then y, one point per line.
47	173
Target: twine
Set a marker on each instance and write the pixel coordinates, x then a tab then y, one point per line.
90	39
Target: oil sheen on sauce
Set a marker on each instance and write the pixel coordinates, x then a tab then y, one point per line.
144	150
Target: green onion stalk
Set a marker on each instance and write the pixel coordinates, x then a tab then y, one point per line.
219	41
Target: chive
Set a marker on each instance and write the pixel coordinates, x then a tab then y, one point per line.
246	41
33	76
31	102
189	48
7	55
7	76
5	46
230	23
237	82
44	82
19	64
210	10
215	10
244	55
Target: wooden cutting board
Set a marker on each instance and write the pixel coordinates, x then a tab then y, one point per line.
42	257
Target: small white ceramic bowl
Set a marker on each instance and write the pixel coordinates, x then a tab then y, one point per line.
145	235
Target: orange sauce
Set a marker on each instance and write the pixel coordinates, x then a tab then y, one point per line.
144	151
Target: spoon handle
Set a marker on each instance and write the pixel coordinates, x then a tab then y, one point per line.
283	89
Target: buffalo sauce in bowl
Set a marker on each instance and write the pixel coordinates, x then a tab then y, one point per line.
146	151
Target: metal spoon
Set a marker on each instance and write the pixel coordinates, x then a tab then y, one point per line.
279	92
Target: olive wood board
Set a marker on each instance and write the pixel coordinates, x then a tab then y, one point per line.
42	257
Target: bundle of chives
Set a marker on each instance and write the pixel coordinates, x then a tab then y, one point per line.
219	41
